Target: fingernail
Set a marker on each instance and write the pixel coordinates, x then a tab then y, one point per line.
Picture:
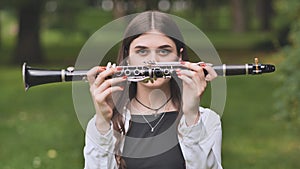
101	68
182	62
122	87
124	77
202	64
119	68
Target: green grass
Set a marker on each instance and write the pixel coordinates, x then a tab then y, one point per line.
233	41
35	123
253	136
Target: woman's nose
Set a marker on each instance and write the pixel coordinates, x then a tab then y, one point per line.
153	56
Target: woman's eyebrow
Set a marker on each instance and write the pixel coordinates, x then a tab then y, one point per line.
140	47
164	46
145	47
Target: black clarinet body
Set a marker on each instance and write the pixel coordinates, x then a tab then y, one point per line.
247	69
150	71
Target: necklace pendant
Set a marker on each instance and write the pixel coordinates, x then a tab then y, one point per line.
152	129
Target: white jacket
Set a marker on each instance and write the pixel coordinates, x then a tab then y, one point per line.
200	143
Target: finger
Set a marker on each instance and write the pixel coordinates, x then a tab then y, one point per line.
92	73
197	74
101	96
110	82
194	84
108	66
103	76
212	74
194	67
185	79
196	80
188	73
191	66
186	76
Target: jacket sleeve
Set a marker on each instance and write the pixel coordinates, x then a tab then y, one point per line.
99	149
201	142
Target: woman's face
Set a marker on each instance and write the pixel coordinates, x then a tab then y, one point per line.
152	46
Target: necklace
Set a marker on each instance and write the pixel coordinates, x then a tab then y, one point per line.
153	127
156	110
153	109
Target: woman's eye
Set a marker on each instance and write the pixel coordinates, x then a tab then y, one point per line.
142	52
163	52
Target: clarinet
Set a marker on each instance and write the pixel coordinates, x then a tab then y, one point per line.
148	72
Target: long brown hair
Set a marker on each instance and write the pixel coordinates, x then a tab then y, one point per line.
142	23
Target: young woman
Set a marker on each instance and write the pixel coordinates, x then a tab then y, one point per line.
151	125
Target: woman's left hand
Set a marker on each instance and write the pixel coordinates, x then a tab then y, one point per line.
194	84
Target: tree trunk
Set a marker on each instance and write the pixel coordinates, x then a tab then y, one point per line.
239	22
28	44
0	30
151	5
119	8
264	13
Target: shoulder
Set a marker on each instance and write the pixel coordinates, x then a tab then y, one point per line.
209	118
208	114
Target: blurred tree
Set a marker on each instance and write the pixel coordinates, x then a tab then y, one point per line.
1	5
151	5
238	15
0	28
92	2
125	7
209	17
264	13
63	14
28	46
285	13
288	95
208	10
119	9
29	12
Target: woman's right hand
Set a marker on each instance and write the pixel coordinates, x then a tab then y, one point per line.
101	89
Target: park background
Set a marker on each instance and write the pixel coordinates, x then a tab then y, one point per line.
39	128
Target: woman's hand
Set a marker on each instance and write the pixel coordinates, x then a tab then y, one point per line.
101	89
194	84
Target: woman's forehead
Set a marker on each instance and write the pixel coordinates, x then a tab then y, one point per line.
152	39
